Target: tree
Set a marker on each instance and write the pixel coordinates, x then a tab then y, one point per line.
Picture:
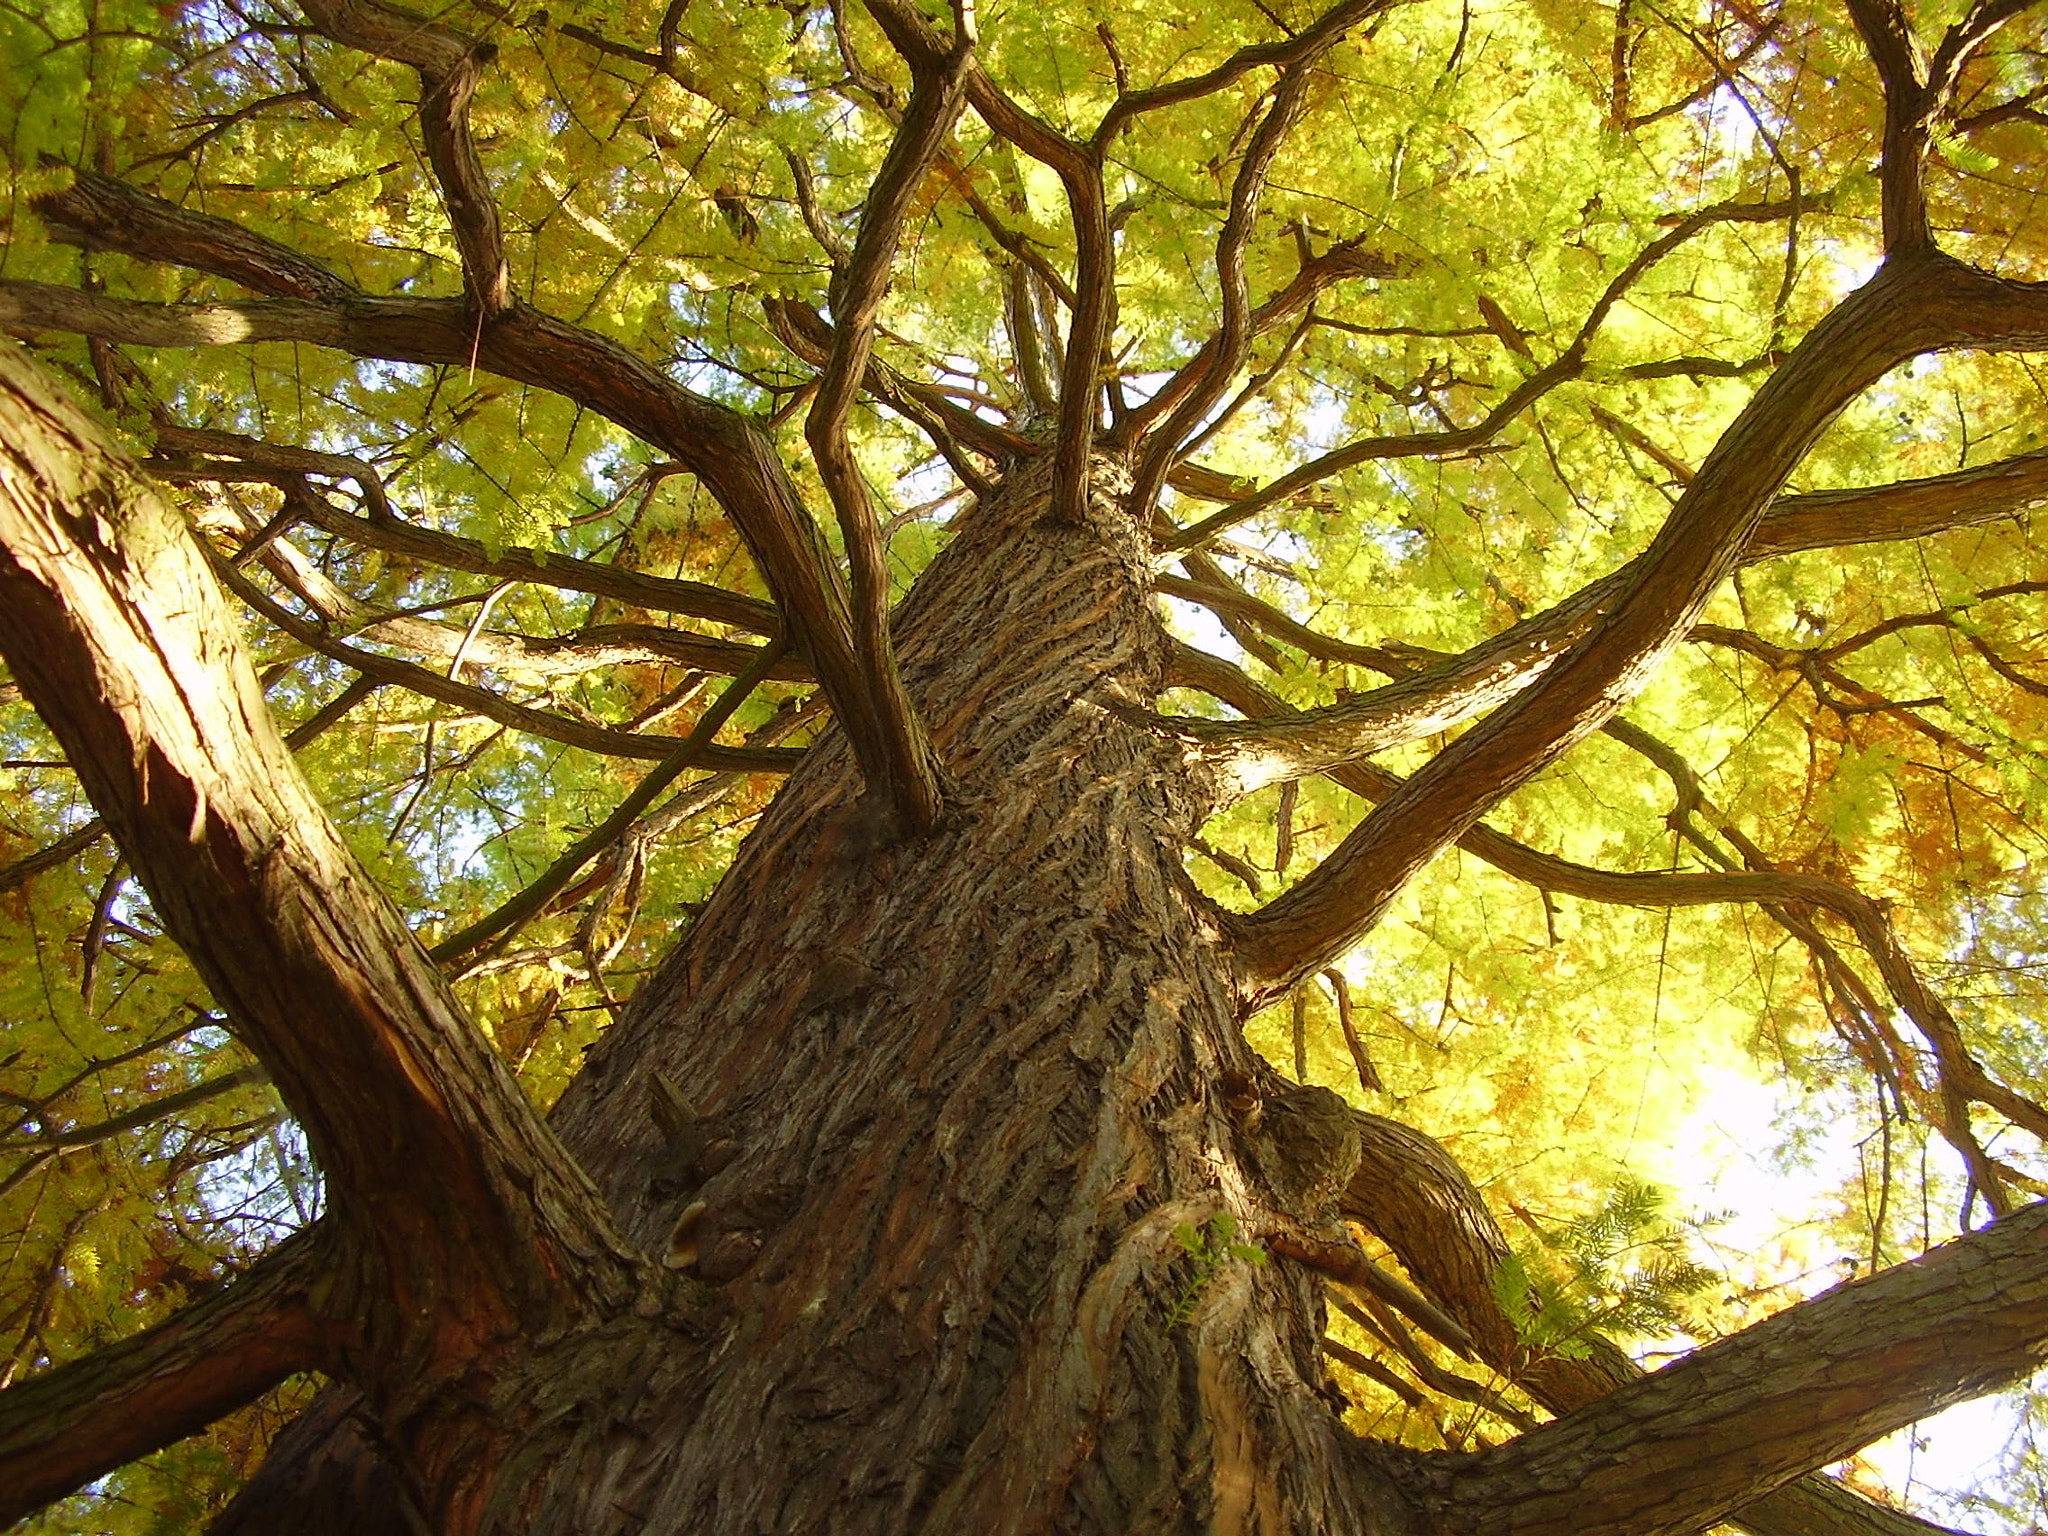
1599	444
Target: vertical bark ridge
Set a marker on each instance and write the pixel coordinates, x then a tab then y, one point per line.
967	1081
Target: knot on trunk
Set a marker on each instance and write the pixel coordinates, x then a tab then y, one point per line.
1304	1142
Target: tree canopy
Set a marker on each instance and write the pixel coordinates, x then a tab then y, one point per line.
1589	456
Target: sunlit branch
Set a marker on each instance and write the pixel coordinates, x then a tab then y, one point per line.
1567	365
1937	618
449	66
1431	693
728	452
492	706
895	755
100	213
1361	1273
1958	1069
76	842
148	690
1796	1391
1410	1394
1252	388
1020	247
64	1427
1315	38
1406	445
1195	391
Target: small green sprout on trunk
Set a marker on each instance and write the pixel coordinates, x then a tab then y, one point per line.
1211	1246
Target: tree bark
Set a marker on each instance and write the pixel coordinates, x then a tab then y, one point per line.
969	1084
935	1130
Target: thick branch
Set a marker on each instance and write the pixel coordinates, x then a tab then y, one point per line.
728	452
1909	308
116	631
1411	1193
492	706
1425	699
1694	1442
64	1427
902	774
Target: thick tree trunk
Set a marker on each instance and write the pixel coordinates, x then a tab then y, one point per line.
927	1115
969	1085
937	1131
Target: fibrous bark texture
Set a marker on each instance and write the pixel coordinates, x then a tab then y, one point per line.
935	1186
963	1089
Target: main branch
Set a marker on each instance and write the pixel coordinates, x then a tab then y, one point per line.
727	451
75	1422
1688	1445
113	626
1910	307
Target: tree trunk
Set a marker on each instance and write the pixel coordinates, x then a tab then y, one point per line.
940	1134
928	1113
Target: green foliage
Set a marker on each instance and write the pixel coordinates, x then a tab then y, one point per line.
1624	1271
1211	1246
1876	714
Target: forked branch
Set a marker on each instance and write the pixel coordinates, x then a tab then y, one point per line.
1191	394
901	770
449	65
1919	95
1910	307
1430	695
